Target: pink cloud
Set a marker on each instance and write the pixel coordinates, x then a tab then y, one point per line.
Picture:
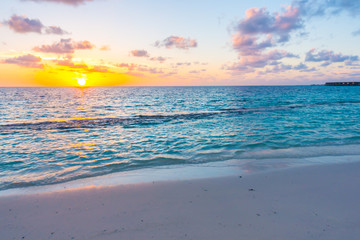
21	24
139	53
260	29
64	46
28	60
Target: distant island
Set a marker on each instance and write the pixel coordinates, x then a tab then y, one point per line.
342	84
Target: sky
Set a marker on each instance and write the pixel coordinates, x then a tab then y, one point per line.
178	43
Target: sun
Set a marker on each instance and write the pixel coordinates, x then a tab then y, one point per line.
81	81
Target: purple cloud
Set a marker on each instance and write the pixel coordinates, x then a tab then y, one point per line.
328	57
260	29
277	69
139	53
22	24
69	2
177	42
261	60
28	60
303	68
64	46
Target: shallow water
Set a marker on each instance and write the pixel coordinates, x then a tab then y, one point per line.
52	135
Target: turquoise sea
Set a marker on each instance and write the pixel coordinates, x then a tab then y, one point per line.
54	135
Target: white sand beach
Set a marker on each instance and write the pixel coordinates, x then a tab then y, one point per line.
315	202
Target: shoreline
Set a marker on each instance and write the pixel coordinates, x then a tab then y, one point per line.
193	171
309	202
184	172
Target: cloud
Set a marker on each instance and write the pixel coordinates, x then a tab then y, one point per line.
99	69
237	67
260	29
139	68
55	30
183	64
329	57
28	60
277	69
177	42
69	2
149	70
313	8
159	59
130	67
197	71
70	64
261	60
105	48
303	68
139	53
64	46
356	33
22	24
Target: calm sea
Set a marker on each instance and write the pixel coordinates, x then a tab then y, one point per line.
52	135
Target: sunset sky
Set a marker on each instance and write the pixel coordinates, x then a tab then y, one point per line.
177	43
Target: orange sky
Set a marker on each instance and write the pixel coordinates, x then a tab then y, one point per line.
55	43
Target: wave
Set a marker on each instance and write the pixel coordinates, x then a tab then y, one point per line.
146	119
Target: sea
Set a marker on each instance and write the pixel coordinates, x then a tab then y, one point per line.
57	135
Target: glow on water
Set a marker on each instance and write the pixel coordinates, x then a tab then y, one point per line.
51	135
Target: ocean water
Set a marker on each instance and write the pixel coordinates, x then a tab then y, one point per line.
53	135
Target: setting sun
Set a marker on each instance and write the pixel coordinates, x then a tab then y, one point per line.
81	81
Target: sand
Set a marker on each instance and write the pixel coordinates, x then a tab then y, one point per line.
316	202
